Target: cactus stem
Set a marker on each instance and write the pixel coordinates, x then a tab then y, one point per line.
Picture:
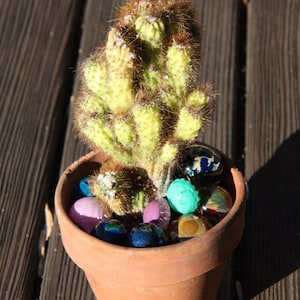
140	95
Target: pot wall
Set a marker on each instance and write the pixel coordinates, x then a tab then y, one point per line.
188	270
204	287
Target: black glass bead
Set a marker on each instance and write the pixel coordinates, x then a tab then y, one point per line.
198	162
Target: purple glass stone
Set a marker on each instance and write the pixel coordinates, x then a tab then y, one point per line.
87	212
158	212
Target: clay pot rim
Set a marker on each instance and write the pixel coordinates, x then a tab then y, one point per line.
239	201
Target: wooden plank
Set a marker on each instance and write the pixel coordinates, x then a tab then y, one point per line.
37	42
67	281
272	237
220	22
223	59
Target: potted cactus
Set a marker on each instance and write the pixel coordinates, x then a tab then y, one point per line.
164	210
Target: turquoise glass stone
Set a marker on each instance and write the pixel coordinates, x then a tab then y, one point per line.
183	196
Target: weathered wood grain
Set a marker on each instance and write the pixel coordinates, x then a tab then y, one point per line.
223	59
38	48
37	42
67	281
221	29
222	65
272	239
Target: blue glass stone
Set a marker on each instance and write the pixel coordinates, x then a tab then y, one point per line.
147	235
202	160
112	231
84	188
199	161
183	196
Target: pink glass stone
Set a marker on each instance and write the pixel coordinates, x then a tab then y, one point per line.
157	212
87	212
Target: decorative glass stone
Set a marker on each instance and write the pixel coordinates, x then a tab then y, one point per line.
157	212
219	200
183	196
200	161
190	226
84	188
112	231
87	212
147	235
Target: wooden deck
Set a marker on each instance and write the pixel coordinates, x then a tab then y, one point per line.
251	55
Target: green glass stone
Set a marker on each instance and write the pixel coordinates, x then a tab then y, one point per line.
183	196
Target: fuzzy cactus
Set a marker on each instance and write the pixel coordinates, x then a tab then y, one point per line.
141	98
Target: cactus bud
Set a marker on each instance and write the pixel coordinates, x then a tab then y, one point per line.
151	30
188	125
148	126
118	54
103	137
168	153
95	75
120	64
124	131
151	79
91	104
179	68
197	98
124	189
121	94
107	188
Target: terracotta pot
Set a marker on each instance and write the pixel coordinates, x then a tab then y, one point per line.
188	270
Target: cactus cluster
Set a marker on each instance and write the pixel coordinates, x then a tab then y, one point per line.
141	98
